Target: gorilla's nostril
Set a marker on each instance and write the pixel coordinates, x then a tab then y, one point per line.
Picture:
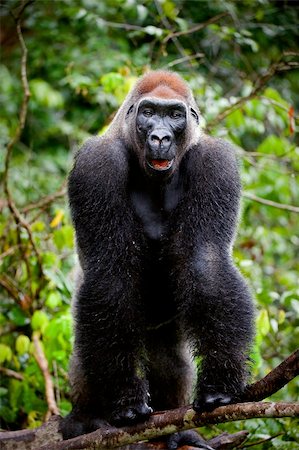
155	139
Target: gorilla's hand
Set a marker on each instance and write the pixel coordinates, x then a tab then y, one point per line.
77	424
138	412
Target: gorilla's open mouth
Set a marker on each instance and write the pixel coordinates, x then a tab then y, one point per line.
160	164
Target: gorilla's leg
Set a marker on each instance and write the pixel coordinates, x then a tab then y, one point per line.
108	344
171	375
218	314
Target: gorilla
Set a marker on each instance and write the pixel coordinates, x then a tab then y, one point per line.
155	205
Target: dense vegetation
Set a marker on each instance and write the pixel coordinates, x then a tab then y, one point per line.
83	56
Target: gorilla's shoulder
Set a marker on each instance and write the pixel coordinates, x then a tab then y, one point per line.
212	146
101	154
214	151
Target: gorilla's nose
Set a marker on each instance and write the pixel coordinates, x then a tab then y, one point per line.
160	139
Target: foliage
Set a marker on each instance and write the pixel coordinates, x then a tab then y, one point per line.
83	57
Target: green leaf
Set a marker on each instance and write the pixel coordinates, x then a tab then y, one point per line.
64	237
5	353
284	445
274	95
44	94
235	119
38	226
153	31
281	316
111	81
39	321
22	344
263	323
53	300
17	316
273	144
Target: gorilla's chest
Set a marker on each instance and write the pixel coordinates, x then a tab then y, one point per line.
154	204
154	219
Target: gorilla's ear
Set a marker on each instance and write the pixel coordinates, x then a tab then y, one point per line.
130	110
195	115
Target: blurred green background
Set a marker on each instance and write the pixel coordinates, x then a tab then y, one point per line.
241	59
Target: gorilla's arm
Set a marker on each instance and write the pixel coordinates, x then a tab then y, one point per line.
214	299
107	324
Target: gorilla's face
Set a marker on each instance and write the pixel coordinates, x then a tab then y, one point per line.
161	128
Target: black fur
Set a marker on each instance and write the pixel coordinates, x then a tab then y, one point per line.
157	275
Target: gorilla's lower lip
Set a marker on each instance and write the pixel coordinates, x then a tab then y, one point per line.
160	164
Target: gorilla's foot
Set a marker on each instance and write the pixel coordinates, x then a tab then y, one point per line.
131	414
207	401
189	437
77	424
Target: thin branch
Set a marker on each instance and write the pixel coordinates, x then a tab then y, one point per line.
267	202
43	365
124	26
167	26
10	251
197	27
26	96
261	441
184	59
7	329
46	201
259	85
11	373
19	219
23	300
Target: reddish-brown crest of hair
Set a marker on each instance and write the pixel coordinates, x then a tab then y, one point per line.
163	84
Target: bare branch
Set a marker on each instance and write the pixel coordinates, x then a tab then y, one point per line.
259	85
184	59
19	220
23	300
197	27
43	365
167	422
46	201
11	373
167	26
162	424
275	380
267	202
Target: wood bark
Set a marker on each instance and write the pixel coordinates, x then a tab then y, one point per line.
163	423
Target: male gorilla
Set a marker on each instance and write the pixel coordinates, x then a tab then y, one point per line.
155	204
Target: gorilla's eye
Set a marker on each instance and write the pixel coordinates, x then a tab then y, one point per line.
175	114
148	112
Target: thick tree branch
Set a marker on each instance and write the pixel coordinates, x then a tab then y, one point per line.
167	422
275	380
172	421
